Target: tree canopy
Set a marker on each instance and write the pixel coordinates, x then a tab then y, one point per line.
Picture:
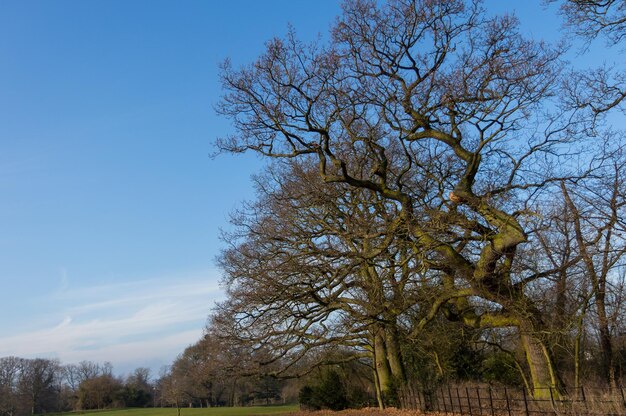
423	156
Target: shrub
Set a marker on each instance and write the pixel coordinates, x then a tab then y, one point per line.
328	393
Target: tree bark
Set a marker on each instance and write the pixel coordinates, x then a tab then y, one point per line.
394	356
543	375
606	346
383	370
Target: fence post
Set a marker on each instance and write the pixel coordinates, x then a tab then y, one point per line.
458	397
451	402
491	401
408	396
525	401
508	405
469	403
421	399
480	405
417	398
443	399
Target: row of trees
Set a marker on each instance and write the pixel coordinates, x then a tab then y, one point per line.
204	375
445	199
32	386
218	371
28	386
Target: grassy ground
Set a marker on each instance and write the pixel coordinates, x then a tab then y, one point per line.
214	411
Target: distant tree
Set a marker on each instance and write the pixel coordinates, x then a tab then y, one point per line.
100	392
267	389
172	390
37	386
74	375
137	391
10	368
328	391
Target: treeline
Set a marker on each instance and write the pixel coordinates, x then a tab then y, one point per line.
445	200
202	376
221	371
214	373
34	386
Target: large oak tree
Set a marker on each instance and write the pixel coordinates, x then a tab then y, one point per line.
428	92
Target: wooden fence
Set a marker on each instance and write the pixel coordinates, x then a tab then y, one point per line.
503	401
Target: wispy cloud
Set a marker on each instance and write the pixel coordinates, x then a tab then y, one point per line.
135	323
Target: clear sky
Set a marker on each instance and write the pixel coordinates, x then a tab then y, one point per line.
110	205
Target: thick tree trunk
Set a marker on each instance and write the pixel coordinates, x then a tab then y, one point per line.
394	356
543	374
379	394
381	362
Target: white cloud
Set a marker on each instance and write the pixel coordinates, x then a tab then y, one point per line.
137	323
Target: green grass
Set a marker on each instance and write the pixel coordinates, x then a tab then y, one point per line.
185	411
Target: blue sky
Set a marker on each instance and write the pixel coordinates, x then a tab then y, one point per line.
110	204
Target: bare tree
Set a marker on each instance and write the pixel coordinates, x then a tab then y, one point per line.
598	211
604	88
312	265
100	392
138	389
592	18
37	387
430	93
9	373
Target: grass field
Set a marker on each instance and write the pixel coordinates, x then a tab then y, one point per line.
213	411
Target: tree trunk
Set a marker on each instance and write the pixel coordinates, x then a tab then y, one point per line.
381	363
394	356
379	395
606	347
545	381
577	347
231	396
